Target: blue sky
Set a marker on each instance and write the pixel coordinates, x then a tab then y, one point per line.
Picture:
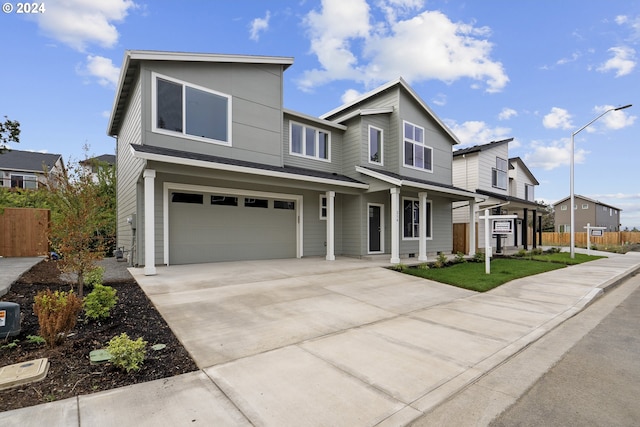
534	70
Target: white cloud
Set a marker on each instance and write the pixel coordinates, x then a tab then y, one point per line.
558	118
79	23
103	69
614	119
350	95
623	61
477	132
507	113
350	44
259	25
553	155
440	99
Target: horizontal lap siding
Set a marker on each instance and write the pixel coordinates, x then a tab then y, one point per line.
128	170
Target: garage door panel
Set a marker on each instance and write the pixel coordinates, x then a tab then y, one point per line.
210	233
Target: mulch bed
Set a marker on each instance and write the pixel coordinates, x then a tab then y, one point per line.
70	372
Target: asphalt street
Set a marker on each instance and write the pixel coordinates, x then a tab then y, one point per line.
597	383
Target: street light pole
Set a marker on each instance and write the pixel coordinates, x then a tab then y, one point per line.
571	168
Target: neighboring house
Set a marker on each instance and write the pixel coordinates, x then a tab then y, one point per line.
587	211
211	167
92	165
509	187
27	169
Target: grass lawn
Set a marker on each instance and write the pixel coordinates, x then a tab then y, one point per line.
471	275
563	258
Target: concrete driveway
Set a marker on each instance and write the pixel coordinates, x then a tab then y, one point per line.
306	342
225	311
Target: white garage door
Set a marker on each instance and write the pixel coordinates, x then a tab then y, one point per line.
208	227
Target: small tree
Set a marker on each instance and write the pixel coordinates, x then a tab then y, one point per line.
9	132
80	214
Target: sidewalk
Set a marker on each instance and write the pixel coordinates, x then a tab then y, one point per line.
12	268
386	373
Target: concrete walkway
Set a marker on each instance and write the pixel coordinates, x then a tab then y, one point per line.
12	268
314	343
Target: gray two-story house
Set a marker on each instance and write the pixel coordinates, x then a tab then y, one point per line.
211	166
587	211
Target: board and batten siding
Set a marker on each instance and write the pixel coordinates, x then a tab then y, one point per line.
129	170
256	99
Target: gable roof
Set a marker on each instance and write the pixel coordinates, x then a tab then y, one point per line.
524	168
481	147
110	159
334	115
28	161
577	196
133	58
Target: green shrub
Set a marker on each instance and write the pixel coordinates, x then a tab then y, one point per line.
127	353
478	257
521	253
440	261
94	277
460	257
35	339
100	301
57	314
423	266
536	251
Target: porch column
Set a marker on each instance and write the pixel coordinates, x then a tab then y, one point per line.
533	231
472	228
395	225
149	223
540	230
331	196
525	229
422	247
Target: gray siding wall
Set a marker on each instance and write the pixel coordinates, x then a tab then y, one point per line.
442	228
486	163
465	171
435	137
256	92
335	148
129	170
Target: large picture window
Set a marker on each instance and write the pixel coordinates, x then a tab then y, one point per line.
416	153
499	174
411	219
191	111
309	142
24	181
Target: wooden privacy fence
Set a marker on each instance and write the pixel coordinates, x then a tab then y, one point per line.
608	238
24	232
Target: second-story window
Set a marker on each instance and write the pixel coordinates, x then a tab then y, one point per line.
416	153
190	110
309	142
528	192
375	145
499	174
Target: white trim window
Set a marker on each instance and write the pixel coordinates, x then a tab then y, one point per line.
585	206
411	219
563	207
417	155
24	181
323	207
375	145
191	111
499	174
528	192
307	141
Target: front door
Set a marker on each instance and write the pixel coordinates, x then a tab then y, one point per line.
375	228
